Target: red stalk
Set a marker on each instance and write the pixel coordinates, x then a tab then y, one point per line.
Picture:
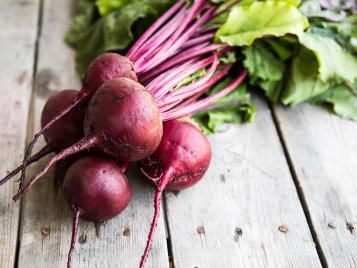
204	103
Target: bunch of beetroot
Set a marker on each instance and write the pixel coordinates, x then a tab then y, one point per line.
128	110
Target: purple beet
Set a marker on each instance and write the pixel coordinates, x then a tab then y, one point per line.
105	67
180	161
122	120
96	190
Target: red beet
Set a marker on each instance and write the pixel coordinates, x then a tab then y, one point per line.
68	129
103	68
122	120
63	133
180	161
96	190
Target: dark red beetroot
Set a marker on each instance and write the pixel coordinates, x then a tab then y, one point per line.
122	120
63	133
105	67
68	129
180	161
96	190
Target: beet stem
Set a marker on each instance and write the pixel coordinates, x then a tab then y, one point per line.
198	40
165	179
168	104
182	57
157	24
178	39
76	215
76	101
193	88
204	103
155	42
159	92
43	152
83	144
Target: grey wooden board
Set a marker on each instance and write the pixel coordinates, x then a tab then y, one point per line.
46	219
232	217
17	47
323	151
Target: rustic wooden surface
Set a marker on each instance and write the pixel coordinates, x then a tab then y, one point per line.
46	220
323	153
17	49
246	212
280	192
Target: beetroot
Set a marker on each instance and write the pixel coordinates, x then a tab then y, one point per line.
63	133
96	190
180	161
122	120
103	68
68	129
126	116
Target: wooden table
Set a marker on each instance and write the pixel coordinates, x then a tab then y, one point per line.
281	192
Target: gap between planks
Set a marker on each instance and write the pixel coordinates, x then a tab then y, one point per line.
299	190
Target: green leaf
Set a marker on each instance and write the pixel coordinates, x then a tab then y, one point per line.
246	23
265	69
107	6
233	108
304	82
334	62
91	34
342	99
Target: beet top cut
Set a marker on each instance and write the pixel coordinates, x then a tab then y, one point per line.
179	162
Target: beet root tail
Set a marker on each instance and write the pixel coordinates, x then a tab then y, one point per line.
157	201
47	149
76	215
83	144
29	148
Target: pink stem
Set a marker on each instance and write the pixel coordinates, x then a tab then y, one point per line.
198	40
165	77
155	42
204	103
157	24
193	88
176	40
168	104
186	73
182	57
165	179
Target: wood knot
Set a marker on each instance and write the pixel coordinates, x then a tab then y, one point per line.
283	228
200	230
45	231
126	231
238	232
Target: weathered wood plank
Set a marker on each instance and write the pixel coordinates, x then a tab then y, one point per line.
245	212
323	151
46	219
17	47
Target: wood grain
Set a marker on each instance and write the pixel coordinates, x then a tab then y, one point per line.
17	48
46	219
245	212
323	151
